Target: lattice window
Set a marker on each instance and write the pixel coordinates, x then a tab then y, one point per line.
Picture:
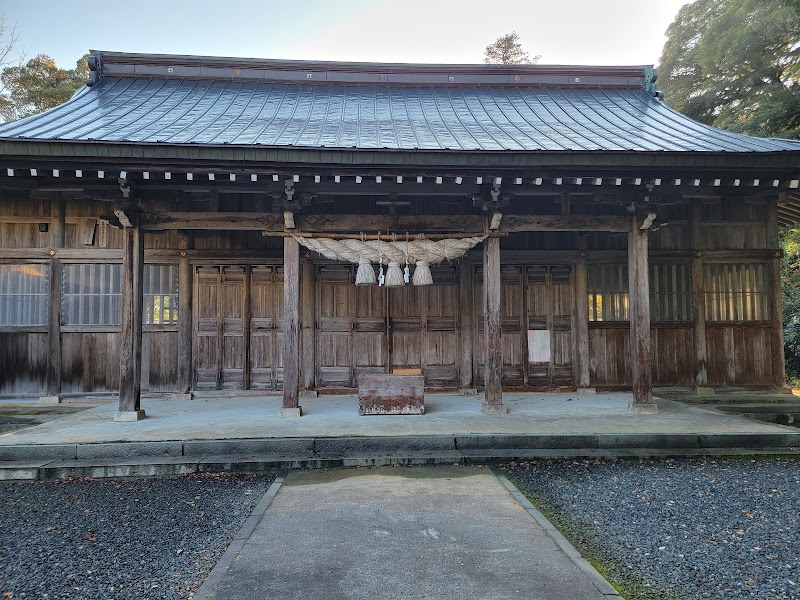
736	292
608	292
160	295
91	294
24	294
670	292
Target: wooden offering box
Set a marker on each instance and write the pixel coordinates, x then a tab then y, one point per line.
391	395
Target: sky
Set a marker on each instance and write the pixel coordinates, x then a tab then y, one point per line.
590	32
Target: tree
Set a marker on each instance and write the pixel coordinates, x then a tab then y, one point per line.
9	38
507	50
790	282
39	85
735	64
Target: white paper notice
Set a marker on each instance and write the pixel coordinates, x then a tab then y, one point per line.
538	345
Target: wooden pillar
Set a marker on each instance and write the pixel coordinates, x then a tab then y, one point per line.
291	331
493	373
466	312
58	237
775	298
307	322
583	376
698	299
639	291
185	291
130	356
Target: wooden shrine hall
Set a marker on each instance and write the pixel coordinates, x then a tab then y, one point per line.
193	225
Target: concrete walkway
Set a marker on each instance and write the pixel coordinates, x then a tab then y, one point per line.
446	532
183	436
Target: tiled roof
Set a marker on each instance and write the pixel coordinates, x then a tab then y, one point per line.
158	110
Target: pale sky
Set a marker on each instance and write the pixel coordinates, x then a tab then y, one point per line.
590	32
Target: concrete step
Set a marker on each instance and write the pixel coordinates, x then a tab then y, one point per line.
138	459
348	446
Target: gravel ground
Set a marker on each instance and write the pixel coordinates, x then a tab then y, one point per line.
680	529
119	538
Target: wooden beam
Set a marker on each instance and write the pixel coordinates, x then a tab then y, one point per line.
373	223
465	311
698	298
130	355
639	306
307	342
291	331
775	299
493	367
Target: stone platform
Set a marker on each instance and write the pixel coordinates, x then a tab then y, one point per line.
182	436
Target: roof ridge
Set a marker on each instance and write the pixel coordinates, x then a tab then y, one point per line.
104	63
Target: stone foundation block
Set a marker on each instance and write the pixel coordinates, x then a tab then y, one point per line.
129	416
644	409
494	409
704	390
290	412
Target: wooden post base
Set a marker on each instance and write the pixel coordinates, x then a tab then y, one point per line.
285	413
644	409
129	416
494	408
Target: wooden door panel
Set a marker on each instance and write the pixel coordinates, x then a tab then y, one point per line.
406	350
369	331
405	329
206	350
538	298
232	291
512	323
563	309
266	307
512	293
335	308
441	337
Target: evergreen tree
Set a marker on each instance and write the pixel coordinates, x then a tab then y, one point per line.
735	64
507	50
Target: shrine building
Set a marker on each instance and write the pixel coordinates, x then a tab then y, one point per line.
224	226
